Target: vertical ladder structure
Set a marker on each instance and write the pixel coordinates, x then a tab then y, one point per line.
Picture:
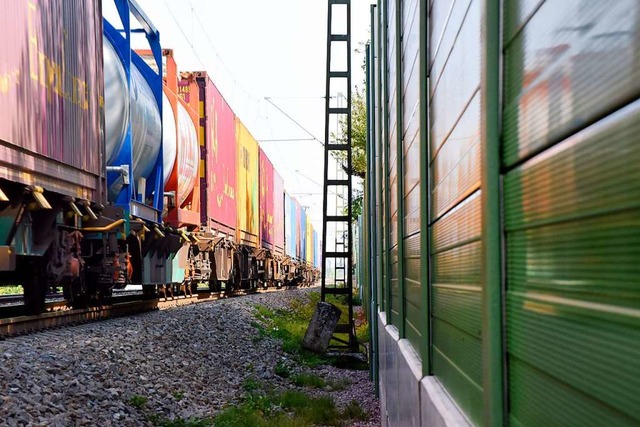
337	235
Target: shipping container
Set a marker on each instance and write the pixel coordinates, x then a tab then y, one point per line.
309	241
304	249
266	201
291	239
316	253
299	230
248	225
51	96
218	152
278	213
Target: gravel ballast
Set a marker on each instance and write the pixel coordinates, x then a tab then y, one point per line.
184	362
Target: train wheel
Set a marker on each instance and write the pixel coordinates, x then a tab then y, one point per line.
149	292
75	293
35	289
214	284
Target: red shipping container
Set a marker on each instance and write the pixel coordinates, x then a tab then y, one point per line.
51	94
278	213
266	201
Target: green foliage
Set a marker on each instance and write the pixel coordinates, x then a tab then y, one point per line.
281	370
338	385
250	384
358	136
354	411
308	380
138	401
288	409
178	395
362	333
239	416
162	421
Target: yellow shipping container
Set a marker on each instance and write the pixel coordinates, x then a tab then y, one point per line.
310	248
247	186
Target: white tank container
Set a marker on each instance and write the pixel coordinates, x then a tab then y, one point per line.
188	154
136	105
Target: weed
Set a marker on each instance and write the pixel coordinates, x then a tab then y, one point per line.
162	421
354	411
300	410
239	416
362	333
138	401
250	384
321	410
178	395
281	370
308	380
338	385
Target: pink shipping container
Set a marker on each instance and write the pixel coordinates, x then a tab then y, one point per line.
299	230
278	213
266	201
51	96
218	150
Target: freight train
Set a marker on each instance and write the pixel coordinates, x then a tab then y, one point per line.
502	219
116	169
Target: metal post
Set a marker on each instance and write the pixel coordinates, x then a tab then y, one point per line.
400	171
492	344
373	174
385	148
379	151
425	185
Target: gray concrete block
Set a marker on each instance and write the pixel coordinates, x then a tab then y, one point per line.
320	330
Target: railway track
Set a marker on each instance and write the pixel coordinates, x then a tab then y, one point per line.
59	315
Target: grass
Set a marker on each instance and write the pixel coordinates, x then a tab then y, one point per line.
281	370
138	401
161	421
288	409
308	380
250	384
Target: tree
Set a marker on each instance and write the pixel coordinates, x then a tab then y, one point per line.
358	136
358	147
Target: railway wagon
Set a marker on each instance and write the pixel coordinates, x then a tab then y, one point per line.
501	228
247	196
264	255
218	152
51	169
291	239
279	255
181	151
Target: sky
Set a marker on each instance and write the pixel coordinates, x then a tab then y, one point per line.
255	49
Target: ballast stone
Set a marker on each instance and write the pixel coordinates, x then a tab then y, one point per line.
320	330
